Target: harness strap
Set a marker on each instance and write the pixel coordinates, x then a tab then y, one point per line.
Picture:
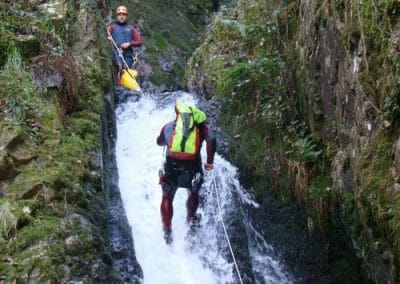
185	133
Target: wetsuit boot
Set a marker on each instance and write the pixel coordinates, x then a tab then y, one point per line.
192	203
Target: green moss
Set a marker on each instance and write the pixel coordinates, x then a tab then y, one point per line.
51	186
170	29
45	228
87	130
215	58
6	43
375	162
30	249
378	198
160	41
250	153
97	82
253	61
49	119
373	25
159	77
18	90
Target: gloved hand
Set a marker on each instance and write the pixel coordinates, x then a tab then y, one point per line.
208	167
125	45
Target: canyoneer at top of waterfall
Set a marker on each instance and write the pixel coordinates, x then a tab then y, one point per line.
127	38
183	166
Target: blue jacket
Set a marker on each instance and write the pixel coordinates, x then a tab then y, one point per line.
123	32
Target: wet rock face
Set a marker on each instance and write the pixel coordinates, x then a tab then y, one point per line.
329	76
165	65
339	72
85	34
342	173
55	9
199	85
121	241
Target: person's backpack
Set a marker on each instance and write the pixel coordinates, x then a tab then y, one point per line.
185	140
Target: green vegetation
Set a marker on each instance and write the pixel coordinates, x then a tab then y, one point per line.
377	199
54	68
170	32
54	103
22	100
300	82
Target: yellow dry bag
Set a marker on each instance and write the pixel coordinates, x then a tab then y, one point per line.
128	79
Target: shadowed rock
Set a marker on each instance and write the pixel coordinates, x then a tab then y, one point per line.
15	150
31	192
19	149
7	168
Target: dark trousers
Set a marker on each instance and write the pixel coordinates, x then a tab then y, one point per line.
128	57
187	174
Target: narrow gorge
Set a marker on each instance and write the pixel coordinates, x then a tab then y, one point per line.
303	97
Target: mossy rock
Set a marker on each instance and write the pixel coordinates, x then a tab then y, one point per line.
21	149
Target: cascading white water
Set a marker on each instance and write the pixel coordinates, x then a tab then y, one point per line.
200	258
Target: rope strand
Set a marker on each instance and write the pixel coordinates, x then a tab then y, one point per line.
162	168
225	232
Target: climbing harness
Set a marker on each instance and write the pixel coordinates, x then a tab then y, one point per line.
223	226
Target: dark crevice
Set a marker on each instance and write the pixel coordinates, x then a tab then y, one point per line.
120	233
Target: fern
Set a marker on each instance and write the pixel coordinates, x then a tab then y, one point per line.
304	151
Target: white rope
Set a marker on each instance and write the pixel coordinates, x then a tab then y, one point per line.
164	153
161	171
225	232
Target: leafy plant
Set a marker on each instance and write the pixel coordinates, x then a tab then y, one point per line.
391	106
320	187
304	150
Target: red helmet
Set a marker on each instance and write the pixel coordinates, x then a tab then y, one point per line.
121	10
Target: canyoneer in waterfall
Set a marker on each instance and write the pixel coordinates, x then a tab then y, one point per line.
128	43
183	166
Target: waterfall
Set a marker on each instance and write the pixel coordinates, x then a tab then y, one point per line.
202	257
